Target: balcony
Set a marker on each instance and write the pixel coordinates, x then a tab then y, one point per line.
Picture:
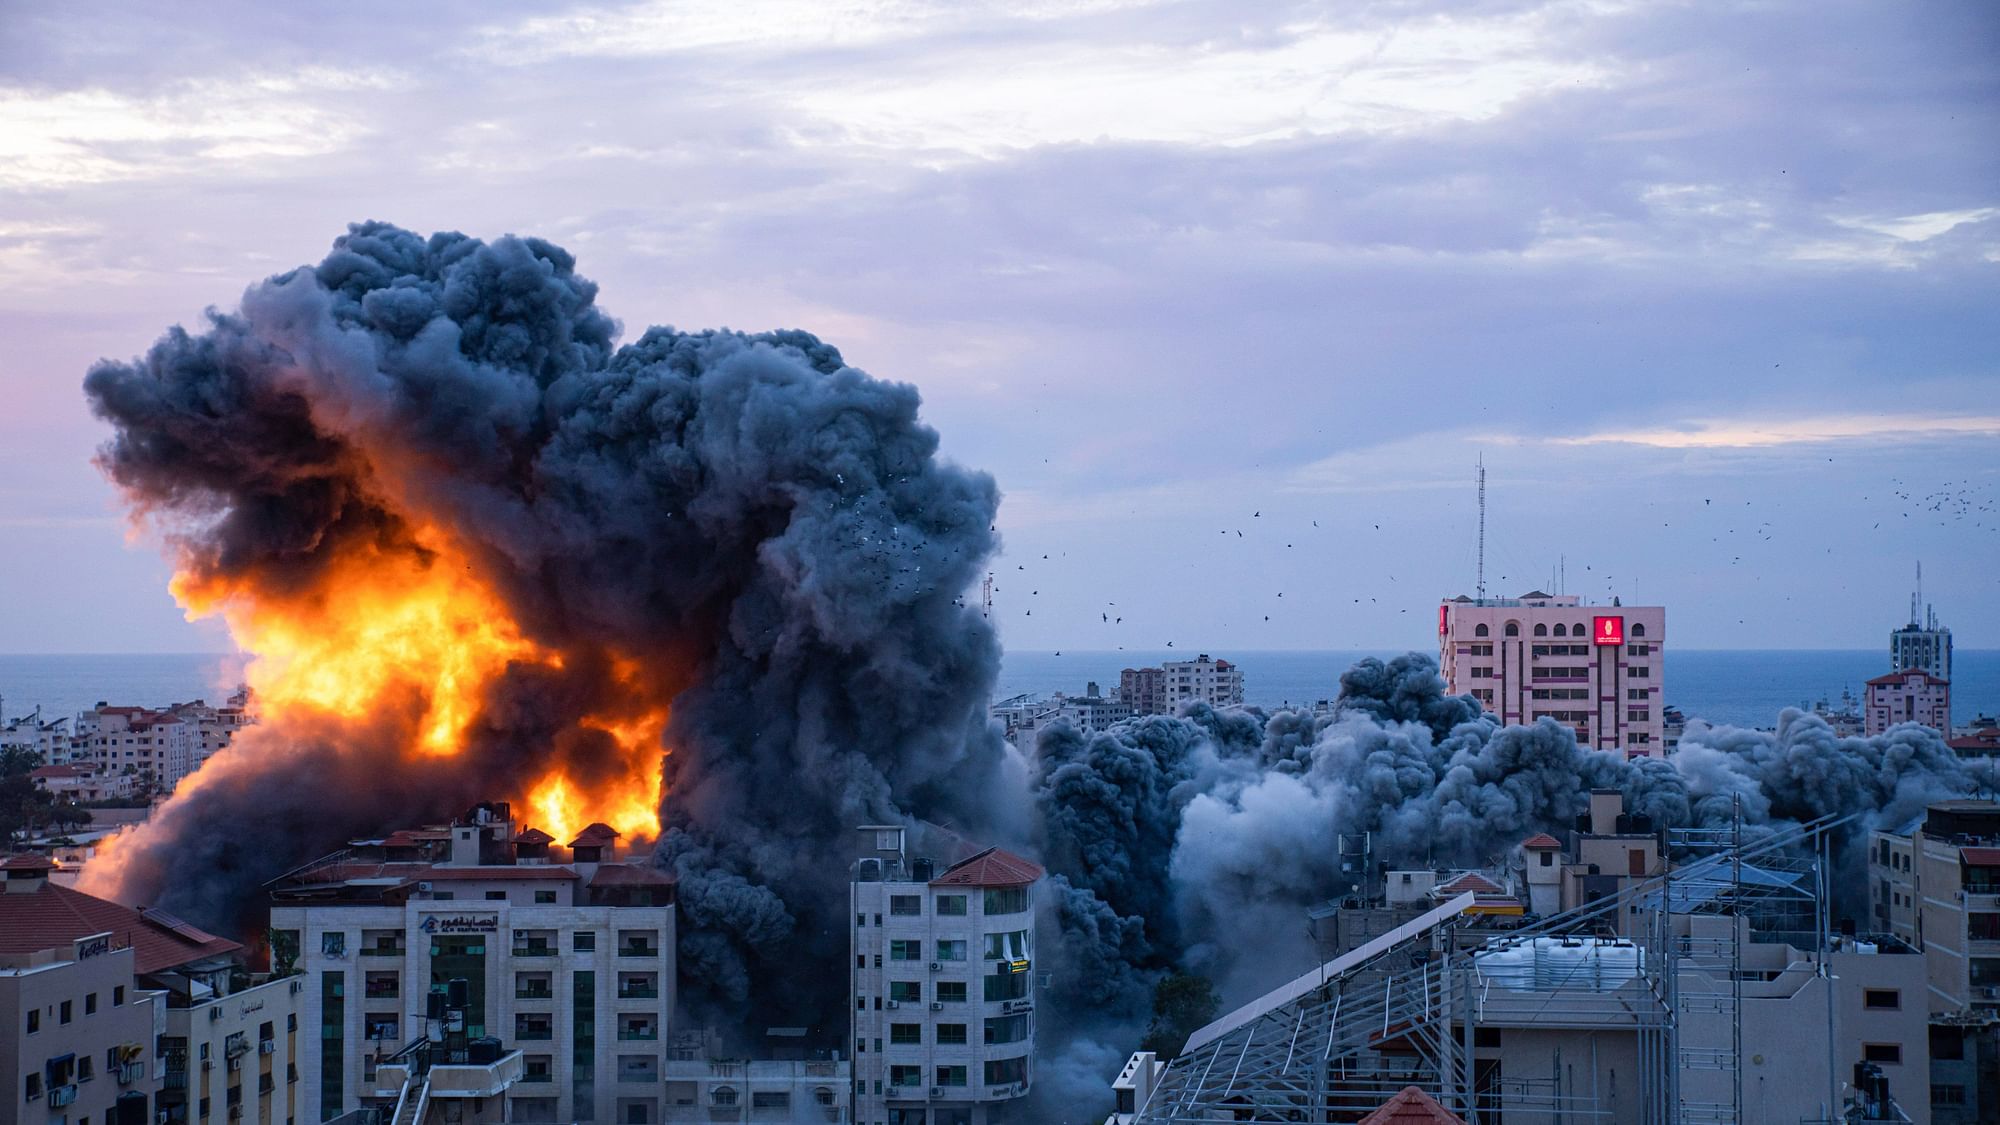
385	950
477	1080
638	992
537	1034
534	992
534	949
60	1096
637	949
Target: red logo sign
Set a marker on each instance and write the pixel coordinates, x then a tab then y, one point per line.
1608	631
1444	611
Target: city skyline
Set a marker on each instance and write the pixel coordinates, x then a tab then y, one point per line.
1707	303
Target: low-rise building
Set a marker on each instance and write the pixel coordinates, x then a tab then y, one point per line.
705	1083
563	957
1912	696
137	1015
943	983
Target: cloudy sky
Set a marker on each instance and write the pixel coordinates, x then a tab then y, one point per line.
1714	291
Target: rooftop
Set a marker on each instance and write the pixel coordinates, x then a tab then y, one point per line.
1412	1106
993	867
52	916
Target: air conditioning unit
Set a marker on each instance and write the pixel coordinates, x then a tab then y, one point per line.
937	1091
215	1013
937	966
937	1006
298	987
423	888
893	1004
235	1063
208	1064
267	1046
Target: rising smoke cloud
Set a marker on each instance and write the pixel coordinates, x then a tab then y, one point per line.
736	530
1251	805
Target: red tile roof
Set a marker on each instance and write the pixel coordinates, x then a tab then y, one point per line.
990	868
1412	1107
1542	840
1470	881
1981	857
629	875
55	916
497	874
596	834
534	836
1900	677
45	772
28	861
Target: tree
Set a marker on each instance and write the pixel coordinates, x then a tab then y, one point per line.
18	761
67	814
1182	1004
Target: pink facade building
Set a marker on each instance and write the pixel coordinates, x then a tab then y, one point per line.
1599	670
1912	696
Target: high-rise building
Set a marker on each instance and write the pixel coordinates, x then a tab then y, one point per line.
1600	670
1144	690
564	955
941	1037
1923	644
1912	696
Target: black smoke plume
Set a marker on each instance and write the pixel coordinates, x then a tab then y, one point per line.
768	533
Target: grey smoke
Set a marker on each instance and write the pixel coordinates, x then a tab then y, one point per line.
769	532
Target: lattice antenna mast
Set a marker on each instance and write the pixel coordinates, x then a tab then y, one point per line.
1480	587
986	596
1917	596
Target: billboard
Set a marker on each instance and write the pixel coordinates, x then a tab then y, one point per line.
1444	612
1607	631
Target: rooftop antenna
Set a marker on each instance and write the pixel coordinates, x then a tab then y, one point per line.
1917	597
1480	589
986	596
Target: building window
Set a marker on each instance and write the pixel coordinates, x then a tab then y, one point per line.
1640	672
1005	986
545	898
1008	946
1480	630
770	1099
1947	1095
1006	900
1891	1053
34	1020
953	905
1541	630
1548	858
333	944
63	1013
1560	631
90	1004
1006	1029
906	949
951	1076
951	950
1513	629
950	1034
951	992
906	1076
586	942
906	1034
906	991
906	905
1881	998
724	1095
1638	630
118	996
1001	1072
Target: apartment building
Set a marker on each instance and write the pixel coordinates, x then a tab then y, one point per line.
154	748
48	737
1907	697
563	954
1599	670
1935	883
941	1037
123	1015
705	1083
1022	717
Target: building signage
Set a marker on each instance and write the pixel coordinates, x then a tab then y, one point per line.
93	946
1608	631
1444	615
460	923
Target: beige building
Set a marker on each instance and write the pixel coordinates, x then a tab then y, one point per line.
1599	670
1907	697
134	1015
566	955
943	982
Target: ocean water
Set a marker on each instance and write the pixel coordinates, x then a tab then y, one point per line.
1741	688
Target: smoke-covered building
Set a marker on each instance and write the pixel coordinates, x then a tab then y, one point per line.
941	1037
1908	697
566	954
1599	670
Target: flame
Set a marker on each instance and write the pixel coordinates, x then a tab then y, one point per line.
414	627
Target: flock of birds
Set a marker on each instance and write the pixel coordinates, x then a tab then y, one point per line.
1955	502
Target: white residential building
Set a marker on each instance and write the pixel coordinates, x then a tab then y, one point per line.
704	1084
943	984
153	747
567	957
50	738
